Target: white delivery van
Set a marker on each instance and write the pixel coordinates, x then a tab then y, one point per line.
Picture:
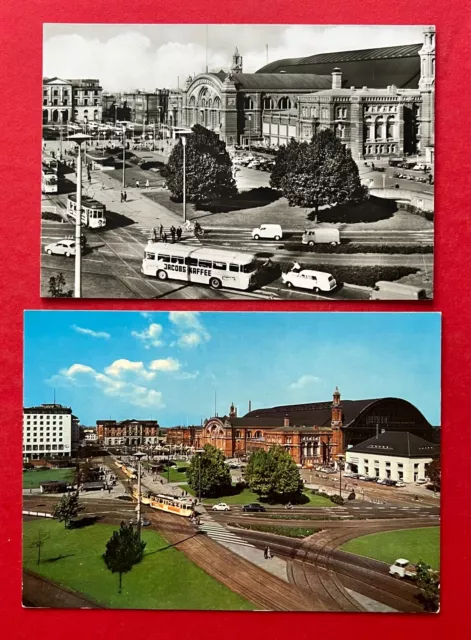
384	290
308	279
272	231
321	236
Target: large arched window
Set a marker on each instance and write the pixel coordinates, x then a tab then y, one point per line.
258	434
284	103
268	102
192	101
248	102
248	435
390	128
237	434
378	129
340	130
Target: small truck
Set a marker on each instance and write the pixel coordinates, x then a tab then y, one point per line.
321	236
402	568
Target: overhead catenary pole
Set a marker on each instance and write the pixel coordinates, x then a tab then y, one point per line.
184	177
124	157
78	228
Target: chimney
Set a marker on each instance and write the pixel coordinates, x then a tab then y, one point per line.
336	78
250	406
286	421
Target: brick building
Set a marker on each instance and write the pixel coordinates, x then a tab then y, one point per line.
127	432
313	433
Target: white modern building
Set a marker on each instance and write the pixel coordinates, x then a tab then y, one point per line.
89	435
392	454
47	431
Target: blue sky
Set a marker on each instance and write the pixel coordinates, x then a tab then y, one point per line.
168	366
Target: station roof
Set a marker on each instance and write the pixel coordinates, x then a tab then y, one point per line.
277	81
374	68
397	443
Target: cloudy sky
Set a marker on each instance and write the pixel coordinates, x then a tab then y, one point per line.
168	366
128	57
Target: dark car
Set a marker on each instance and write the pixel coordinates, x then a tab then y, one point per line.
254	506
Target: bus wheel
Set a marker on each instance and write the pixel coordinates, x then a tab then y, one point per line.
214	283
162	275
311	243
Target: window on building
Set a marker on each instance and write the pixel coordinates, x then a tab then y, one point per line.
55	92
44	103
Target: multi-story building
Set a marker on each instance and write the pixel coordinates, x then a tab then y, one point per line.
313	433
89	435
393	455
71	100
146	107
379	101
127	432
47	431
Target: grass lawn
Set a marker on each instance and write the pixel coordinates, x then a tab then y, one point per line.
412	544
165	579
290	532
246	496
32	479
177	474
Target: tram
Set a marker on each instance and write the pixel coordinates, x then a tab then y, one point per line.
178	506
93	212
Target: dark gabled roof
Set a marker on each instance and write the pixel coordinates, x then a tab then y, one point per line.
277	81
374	68
397	443
314	413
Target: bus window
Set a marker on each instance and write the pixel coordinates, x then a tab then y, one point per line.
219	265
248	268
205	264
234	267
164	258
192	262
177	260
150	256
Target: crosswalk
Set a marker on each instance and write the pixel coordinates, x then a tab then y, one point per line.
219	533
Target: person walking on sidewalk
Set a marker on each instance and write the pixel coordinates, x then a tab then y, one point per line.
265	553
147	184
137	184
161	230
179	234
125	196
172	232
164	237
122	196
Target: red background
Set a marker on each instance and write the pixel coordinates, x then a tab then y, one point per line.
20	145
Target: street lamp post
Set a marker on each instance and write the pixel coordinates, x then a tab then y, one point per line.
199	452
139	455
124	156
78	138
184	177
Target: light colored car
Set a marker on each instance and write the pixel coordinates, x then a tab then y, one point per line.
422	481
272	231
221	506
400	484
61	248
361	477
308	279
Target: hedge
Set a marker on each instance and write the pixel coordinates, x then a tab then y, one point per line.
49	215
348	247
291	532
428	215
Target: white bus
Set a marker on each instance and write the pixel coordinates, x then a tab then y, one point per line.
200	265
93	212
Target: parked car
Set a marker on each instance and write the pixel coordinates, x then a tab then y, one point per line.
309	279
271	231
144	522
253	507
400	484
221	506
61	248
422	481
361	477
384	290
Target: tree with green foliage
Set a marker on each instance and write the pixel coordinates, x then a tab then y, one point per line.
67	508
57	287
428	582
38	542
209	473
273	474
209	173
433	472
321	172
123	550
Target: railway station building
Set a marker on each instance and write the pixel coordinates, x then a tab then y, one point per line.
313	433
379	102
129	433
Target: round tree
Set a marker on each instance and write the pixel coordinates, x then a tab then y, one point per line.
208	474
209	173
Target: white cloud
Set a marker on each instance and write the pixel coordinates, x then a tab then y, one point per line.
150	337
189	328
304	381
187	375
90	332
134	394
164	364
122	366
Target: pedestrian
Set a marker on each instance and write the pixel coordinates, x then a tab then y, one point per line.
164	237
269	555
161	230
89	179
154	235
125	196
179	233
172	231
265	553
147	184
102	186
137	184
122	196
